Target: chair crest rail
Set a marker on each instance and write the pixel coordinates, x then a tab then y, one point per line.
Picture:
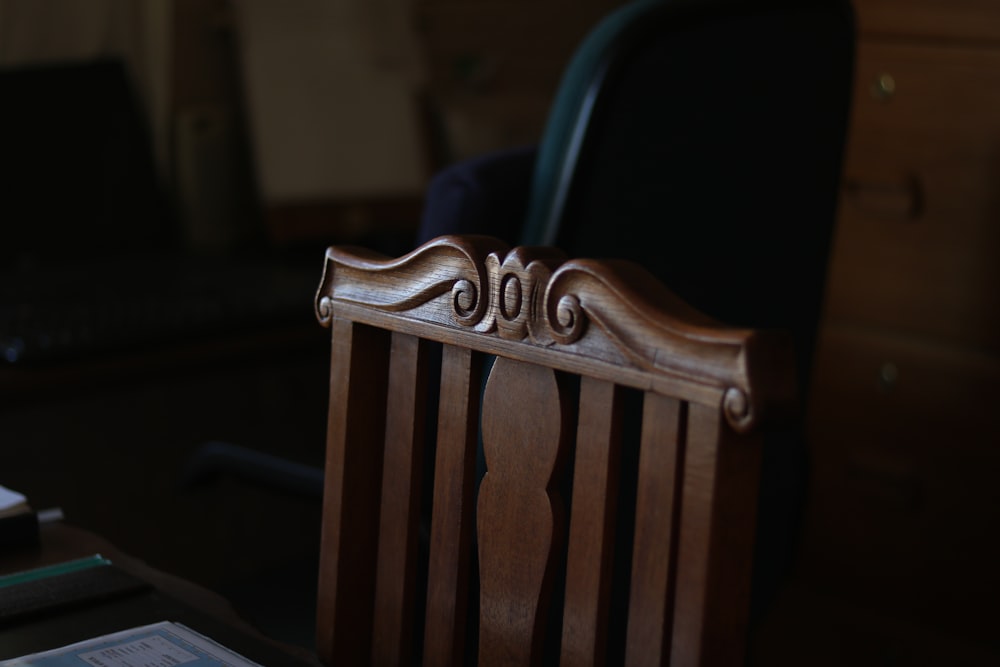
597	311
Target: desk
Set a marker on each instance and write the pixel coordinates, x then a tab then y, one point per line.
168	598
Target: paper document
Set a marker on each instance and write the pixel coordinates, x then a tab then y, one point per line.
12	502
163	644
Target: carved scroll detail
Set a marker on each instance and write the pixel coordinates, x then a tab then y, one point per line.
448	264
518	283
611	311
738	409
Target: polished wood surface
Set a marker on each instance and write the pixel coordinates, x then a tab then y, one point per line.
574	339
654	559
453	522
591	532
901	420
526	424
951	20
401	489
917	237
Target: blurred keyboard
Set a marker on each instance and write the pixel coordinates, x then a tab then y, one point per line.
74	311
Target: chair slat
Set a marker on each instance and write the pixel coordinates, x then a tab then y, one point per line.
452	524
591	530
717	522
358	377
400	511
661	460
708	389
521	523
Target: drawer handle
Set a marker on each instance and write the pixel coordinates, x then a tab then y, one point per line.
884	87
901	201
888	376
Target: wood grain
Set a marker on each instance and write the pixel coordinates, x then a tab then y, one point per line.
610	316
452	523
932	272
358	376
521	525
706	389
592	524
661	465
399	521
930	20
717	519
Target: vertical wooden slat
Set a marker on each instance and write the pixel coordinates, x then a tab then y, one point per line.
527	427
400	511
348	542
452	522
591	530
717	524
661	457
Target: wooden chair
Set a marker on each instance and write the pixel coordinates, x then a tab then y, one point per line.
537	565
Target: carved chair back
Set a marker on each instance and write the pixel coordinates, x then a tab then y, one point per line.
550	559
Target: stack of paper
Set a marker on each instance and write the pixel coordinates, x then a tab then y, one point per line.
163	644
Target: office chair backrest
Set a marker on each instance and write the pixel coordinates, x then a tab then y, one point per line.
523	570
711	132
703	139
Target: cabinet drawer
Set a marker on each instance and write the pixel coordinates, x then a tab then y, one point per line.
958	19
905	449
918	234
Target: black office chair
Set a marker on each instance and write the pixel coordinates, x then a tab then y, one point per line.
681	126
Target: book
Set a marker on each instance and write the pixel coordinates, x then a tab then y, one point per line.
53	589
163	644
96	560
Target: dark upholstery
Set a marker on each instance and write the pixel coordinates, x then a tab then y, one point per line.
484	195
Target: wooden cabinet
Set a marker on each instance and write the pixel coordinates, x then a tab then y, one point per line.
905	450
905	440
961	20
919	229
